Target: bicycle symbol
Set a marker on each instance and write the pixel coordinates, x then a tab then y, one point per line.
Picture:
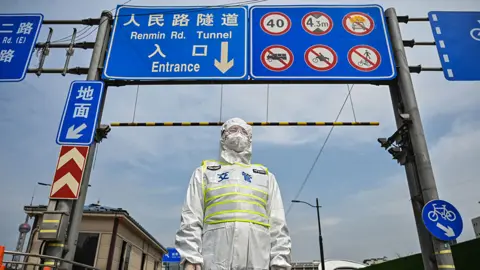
442	212
475	33
364	63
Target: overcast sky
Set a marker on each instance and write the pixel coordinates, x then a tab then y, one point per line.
366	210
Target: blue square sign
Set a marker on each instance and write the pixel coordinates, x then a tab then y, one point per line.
320	42
172	43
79	119
457	37
18	35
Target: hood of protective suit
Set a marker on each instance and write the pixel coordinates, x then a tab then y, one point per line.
236	147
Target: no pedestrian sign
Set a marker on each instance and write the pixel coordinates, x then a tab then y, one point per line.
364	58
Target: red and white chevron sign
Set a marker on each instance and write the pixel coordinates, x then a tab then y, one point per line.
69	172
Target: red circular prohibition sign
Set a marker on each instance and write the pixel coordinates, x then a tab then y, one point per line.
324	32
319	57
365	63
277	54
358	23
287	19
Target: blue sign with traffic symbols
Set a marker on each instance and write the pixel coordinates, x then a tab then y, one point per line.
172	256
442	220
79	119
457	37
320	42
18	35
172	43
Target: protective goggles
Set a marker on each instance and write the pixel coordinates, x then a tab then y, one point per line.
234	129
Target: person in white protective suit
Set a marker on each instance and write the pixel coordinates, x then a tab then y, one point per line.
233	215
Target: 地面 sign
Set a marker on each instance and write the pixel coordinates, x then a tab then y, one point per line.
80	114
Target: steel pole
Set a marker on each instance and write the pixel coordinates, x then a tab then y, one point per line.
423	168
320	237
416	198
96	62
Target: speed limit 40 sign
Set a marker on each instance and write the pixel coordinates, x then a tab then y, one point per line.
275	23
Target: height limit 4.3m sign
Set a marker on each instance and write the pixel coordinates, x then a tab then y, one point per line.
167	43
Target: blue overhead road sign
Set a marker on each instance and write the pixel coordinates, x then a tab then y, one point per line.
320	43
172	43
79	119
457	37
172	256
442	220
18	35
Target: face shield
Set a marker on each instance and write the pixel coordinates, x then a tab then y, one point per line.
236	141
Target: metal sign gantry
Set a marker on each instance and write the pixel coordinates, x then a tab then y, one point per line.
210	47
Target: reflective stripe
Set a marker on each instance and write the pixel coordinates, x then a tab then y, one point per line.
236	189
231	206
227	202
237	215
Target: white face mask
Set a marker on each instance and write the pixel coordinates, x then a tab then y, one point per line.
236	142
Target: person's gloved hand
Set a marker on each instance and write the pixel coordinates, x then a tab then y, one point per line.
189	266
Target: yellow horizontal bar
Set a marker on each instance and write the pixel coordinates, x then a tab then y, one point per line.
55	245
49	263
48	231
51	221
445	251
184	124
446	266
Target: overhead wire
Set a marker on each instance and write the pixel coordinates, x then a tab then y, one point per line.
84	29
135	105
307	177
174	10
221	103
268	100
351	103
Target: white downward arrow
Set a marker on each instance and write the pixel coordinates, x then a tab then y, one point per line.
68	180
224	65
448	230
72	132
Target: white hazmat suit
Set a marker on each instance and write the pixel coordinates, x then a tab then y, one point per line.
233	216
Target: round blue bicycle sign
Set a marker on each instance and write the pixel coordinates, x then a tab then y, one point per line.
442	220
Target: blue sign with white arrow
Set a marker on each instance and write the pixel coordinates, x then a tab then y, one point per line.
171	43
442	220
457	37
172	256
80	114
18	35
320	42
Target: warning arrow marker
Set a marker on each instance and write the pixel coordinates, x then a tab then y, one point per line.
73	154
69	172
66	180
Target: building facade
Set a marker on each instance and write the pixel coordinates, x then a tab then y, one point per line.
109	239
476	226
